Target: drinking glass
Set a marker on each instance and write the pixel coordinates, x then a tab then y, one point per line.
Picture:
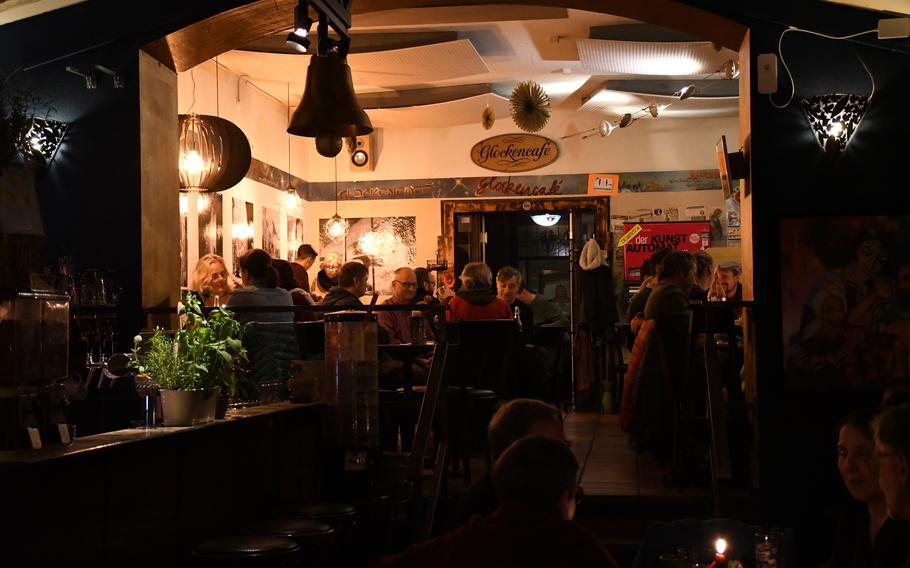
767	548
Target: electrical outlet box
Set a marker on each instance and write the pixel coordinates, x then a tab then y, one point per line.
766	73
894	28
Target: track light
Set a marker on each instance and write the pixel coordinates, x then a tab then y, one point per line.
299	39
685	92
730	70
606	128
625	120
654	110
297	43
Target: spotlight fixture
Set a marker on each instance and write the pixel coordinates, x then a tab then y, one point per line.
730	69
685	92
606	128
625	120
302	20
298	43
546	219
654	110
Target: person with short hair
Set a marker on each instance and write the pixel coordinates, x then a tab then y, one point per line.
514	420
327	277
508	284
306	256
398	323
260	288
476	300
648	283
211	280
352	284
728	280
287	281
704	275
865	536
536	481
892	454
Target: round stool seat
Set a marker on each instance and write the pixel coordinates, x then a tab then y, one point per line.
480	394
294	529
248	551
331	513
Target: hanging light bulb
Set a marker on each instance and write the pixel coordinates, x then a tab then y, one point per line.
337	226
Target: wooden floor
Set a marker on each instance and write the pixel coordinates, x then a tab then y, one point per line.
614	469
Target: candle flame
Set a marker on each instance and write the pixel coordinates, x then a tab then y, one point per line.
720	545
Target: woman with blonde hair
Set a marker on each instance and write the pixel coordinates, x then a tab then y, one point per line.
211	280
327	277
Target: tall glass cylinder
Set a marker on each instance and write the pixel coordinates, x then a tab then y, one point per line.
352	378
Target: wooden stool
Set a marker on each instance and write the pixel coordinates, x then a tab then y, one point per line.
247	551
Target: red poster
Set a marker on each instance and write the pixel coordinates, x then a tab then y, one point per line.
680	235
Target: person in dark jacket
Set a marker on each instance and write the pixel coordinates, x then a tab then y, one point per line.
352	284
536	482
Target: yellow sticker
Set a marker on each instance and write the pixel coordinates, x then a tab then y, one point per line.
629	236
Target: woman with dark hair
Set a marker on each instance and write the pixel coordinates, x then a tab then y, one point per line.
866	536
287	281
260	288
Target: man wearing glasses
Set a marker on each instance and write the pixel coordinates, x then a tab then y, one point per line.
398	323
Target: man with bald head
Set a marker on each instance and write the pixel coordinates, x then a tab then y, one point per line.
398	323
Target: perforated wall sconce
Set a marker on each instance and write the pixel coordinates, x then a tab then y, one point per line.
40	142
834	118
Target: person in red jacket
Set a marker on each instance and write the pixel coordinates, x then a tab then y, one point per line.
536	482
476	300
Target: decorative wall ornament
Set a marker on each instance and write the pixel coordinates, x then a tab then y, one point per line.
530	106
834	118
40	141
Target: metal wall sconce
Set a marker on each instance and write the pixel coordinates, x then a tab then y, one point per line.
41	140
834	118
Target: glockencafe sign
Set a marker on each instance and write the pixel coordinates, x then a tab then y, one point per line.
514	152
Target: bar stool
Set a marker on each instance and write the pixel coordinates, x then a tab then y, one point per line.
317	540
247	552
340	516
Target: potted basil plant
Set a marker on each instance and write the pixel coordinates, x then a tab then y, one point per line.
196	365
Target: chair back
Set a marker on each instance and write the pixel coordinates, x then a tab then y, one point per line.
270	347
485	355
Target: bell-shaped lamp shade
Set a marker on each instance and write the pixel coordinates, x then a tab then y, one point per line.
835	118
214	154
329	107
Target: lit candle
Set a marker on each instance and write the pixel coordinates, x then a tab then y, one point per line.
720	560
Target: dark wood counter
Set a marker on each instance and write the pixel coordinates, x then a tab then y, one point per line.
144	497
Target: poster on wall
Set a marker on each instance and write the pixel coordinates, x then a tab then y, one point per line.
382	243
295	237
732	206
211	240
241	231
845	300
271	239
641	240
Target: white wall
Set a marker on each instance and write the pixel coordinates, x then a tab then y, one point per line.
647	145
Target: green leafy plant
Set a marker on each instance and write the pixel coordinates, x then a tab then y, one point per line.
205	353
16	111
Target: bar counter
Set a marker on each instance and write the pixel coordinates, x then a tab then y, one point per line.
142	497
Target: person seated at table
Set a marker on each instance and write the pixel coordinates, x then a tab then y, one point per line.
546	312
327	277
650	272
260	288
306	256
704	275
892	454
211	281
398	323
425	290
299	295
475	300
508	283
728	278
535	479
352	284
865	535
514	420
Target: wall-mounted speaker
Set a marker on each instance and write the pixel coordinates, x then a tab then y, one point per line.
360	150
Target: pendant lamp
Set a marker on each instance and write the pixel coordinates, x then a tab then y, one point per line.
336	227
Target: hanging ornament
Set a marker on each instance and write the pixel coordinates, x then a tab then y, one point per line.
530	106
487	118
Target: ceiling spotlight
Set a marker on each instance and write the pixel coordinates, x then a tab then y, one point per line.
654	109
730	69
685	92
606	128
302	20
625	120
298	43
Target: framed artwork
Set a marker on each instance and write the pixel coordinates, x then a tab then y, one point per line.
295	237
271	238
211	239
241	231
845	297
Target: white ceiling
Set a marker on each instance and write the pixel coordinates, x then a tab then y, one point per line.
551	46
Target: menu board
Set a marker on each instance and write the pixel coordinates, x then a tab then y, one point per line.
644	239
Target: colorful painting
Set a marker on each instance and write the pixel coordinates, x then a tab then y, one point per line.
382	243
846	301
295	237
242	229
687	180
271	238
211	239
